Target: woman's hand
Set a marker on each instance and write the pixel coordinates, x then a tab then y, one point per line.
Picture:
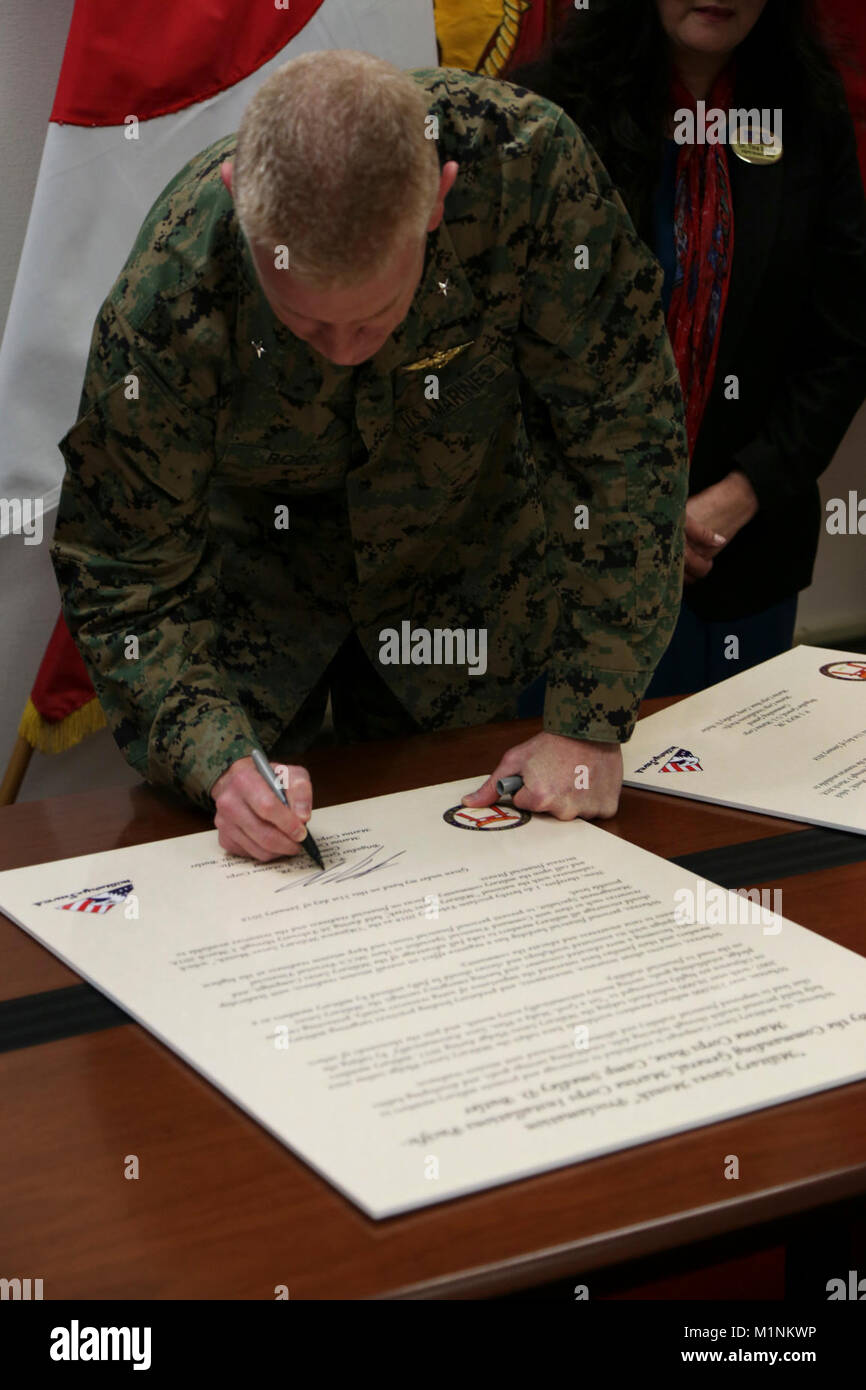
713	518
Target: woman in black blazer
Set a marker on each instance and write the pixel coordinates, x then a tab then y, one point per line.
771	337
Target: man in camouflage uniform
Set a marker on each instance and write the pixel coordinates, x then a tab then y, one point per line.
500	449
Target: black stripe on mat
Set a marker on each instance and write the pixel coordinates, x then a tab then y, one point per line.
756	862
55	1014
65	1013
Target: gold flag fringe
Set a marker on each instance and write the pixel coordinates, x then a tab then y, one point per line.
504	41
48	737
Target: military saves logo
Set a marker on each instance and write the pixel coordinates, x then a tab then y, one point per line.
101	899
673	759
487	817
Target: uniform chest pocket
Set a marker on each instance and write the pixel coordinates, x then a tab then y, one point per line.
453	413
273	440
442	400
273	470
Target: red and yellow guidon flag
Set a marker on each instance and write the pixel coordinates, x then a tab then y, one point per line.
494	36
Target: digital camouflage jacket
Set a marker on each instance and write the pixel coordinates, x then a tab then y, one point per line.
238	504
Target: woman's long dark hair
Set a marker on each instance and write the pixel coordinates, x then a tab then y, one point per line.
609	68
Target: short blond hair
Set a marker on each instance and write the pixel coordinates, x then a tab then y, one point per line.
333	162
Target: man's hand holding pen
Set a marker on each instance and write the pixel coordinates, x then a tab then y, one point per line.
252	821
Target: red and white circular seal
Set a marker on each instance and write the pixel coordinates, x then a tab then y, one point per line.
487	817
845	670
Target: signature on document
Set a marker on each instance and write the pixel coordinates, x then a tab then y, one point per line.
345	870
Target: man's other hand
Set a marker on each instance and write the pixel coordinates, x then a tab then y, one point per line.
252	821
568	777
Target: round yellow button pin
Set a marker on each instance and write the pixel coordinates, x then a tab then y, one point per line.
767	150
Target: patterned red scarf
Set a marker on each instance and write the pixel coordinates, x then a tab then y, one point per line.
704	239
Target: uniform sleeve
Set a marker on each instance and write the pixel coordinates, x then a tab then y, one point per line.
807	417
604	417
138	570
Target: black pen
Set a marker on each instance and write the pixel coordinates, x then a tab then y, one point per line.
267	772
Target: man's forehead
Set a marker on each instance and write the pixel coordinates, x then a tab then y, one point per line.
347	300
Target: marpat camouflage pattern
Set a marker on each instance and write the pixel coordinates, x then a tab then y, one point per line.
453	513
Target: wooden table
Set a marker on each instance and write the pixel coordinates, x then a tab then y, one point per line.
222	1210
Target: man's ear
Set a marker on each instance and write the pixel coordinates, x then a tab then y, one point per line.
226	174
446	183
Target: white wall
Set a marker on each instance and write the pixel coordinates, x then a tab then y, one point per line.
33	38
834	608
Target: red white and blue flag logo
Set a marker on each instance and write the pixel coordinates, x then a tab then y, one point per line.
99	900
682	761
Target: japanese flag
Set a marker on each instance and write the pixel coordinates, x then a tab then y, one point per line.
142	89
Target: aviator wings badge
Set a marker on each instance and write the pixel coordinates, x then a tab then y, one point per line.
437	359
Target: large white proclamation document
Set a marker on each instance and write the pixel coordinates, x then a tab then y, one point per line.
461	997
786	738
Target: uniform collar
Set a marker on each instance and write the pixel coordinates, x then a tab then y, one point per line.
442	314
262	320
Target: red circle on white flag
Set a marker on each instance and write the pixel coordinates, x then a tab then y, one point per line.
148	60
